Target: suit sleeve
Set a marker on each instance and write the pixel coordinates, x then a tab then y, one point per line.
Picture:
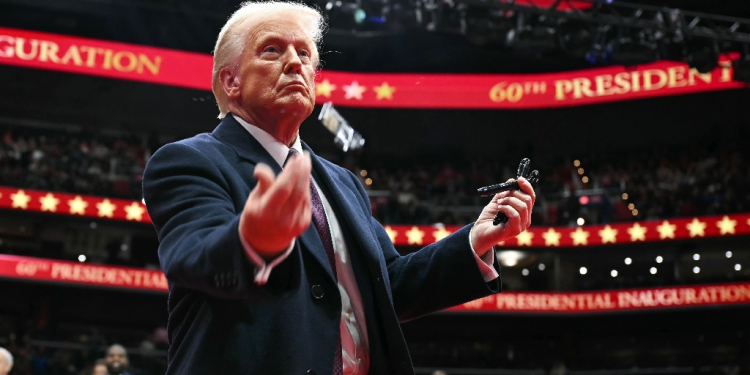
436	277
189	203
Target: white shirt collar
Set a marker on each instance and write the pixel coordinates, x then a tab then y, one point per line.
276	149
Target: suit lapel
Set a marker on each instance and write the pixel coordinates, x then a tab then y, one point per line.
234	135
346	200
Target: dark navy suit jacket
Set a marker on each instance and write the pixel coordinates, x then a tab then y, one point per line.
221	322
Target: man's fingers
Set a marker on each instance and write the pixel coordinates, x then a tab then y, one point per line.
265	177
513	226
518	205
526	187
526	199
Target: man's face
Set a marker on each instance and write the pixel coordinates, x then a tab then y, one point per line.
277	70
100	370
4	365
117	361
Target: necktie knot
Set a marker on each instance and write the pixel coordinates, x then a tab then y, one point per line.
290	155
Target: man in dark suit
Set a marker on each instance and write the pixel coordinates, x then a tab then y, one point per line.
274	261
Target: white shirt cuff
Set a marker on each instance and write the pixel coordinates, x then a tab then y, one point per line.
262	268
485	262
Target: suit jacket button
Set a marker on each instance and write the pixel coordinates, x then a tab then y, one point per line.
317	293
310	372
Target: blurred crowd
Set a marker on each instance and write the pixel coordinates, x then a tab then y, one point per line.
704	178
602	187
74	162
85	357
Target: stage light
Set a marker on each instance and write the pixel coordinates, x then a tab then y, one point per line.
510	258
580	221
703	55
92	225
728	254
81	258
659	259
580	171
583	270
584	200
737	267
363	173
576	163
624	196
696	269
542	266
696	257
359	15
632	50
653	270
741	67
628	261
525	272
368	181
585	180
631	206
635	212
613	273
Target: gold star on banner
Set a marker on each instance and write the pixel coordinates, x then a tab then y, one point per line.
551	237
49	202
637	233
134	212
666	230
440	234
77	205
384	91
608	234
580	237
696	228
391	233
106	208
324	88
415	236
524	238
20	200
726	225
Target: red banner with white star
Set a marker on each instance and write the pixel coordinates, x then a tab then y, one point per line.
375	90
414	235
138	279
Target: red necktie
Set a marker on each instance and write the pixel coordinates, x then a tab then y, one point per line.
321	224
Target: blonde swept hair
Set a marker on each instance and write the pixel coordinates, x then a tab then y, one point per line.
233	36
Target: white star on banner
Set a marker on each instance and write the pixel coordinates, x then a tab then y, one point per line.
354	91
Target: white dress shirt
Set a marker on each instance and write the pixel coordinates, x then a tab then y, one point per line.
354	342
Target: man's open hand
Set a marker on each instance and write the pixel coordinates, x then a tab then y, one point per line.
279	208
515	204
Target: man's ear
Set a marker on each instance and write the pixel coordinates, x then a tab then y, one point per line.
230	81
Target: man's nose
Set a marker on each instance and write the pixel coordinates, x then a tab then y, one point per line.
293	64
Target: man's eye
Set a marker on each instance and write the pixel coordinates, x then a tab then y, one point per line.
304	53
271	49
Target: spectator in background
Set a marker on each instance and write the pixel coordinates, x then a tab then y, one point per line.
6	361
100	367
117	360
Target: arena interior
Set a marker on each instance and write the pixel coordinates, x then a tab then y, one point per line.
634	112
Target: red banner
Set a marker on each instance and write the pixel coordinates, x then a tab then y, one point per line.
38	269
611	300
414	235
73	205
55	271
377	90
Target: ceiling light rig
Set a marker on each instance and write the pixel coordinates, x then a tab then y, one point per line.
602	32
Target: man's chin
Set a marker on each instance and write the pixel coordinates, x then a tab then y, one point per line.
298	105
